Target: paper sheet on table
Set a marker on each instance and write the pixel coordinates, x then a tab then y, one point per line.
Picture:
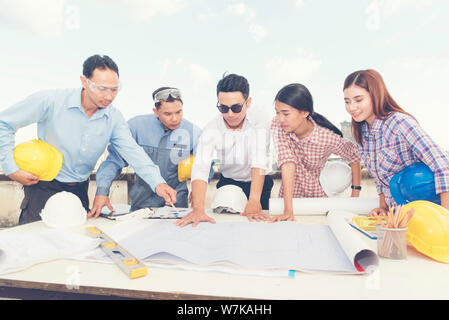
20	251
285	245
320	206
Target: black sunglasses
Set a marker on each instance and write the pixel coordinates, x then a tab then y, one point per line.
236	108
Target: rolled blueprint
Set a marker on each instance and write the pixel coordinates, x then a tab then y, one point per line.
320	206
358	252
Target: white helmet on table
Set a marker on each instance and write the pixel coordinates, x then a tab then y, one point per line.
229	199
62	210
335	177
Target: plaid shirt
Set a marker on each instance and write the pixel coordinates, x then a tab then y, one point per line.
310	155
392	144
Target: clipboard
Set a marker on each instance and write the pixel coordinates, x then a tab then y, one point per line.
168	212
122	212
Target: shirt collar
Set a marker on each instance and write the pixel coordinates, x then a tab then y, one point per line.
168	131
74	101
374	129
244	126
309	137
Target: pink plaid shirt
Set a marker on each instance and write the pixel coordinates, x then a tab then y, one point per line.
310	155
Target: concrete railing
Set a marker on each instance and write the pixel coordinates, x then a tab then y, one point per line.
11	193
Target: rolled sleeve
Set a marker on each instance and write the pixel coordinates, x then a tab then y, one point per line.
442	181
204	156
346	149
260	149
427	151
380	188
280	141
31	110
108	171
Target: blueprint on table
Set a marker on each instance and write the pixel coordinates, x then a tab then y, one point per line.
285	245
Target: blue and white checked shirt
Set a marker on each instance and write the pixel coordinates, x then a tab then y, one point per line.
62	122
396	142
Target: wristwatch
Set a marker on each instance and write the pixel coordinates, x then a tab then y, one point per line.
356	187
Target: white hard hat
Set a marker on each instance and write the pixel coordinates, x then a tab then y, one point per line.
62	210
335	177
229	199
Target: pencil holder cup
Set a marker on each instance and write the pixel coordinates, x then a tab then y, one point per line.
392	243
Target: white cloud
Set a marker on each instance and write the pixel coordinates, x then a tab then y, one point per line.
44	17
377	9
207	15
258	32
145	9
164	71
293	69
300	4
242	10
419	85
199	75
392	6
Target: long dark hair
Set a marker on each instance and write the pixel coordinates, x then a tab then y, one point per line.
383	102
298	96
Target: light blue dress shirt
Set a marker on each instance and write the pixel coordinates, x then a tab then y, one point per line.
166	148
62	122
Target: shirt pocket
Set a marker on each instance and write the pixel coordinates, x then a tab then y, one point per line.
311	157
177	154
151	152
388	163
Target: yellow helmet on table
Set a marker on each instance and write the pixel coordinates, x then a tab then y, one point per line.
428	230
185	168
38	158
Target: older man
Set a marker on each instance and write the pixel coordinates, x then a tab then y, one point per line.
79	122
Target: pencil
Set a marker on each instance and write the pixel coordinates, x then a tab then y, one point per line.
177	211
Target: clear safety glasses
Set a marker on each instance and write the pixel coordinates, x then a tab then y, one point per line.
163	95
103	88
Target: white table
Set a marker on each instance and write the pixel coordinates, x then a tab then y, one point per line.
418	277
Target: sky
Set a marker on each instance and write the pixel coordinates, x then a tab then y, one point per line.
190	44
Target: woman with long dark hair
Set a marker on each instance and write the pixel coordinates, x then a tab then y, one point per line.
304	140
390	139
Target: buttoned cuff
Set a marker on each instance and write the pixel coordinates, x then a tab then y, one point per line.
157	181
102	191
442	182
200	177
285	160
380	188
9	165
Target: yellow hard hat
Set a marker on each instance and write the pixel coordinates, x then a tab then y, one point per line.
38	158
428	230
185	168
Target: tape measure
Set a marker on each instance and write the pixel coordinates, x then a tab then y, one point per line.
129	265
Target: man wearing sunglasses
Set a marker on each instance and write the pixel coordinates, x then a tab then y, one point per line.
241	142
80	123
167	138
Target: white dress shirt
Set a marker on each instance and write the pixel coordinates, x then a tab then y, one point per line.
237	150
